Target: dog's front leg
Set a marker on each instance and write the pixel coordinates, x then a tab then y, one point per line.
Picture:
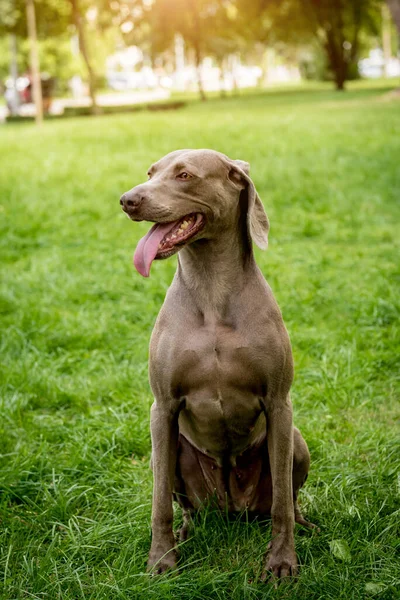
164	439
282	560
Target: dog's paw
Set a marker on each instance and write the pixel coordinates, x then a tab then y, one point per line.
161	561
183	533
298	517
281	563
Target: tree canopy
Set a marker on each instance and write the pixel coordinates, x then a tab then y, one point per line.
336	29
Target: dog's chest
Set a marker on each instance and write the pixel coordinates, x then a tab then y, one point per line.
218	359
222	378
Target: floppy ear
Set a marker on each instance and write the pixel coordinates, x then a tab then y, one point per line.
257	220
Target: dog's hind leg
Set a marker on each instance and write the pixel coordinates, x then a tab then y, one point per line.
187	523
190	489
301	465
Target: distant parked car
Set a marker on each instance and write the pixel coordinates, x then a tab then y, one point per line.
375	65
132	80
25	94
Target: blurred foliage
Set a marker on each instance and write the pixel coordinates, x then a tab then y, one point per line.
330	30
56	59
325	37
338	26
52	17
313	64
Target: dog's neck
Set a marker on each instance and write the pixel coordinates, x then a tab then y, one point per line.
214	271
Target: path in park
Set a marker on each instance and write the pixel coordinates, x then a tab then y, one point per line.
106	99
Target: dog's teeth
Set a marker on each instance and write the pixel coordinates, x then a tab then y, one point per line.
184	225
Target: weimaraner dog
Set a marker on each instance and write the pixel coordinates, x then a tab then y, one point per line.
220	358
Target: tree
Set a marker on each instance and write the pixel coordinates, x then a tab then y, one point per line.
394	7
187	17
26	18
203	24
148	26
335	24
34	61
105	15
338	24
277	25
79	22
53	17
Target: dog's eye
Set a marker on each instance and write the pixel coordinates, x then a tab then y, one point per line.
184	175
149	175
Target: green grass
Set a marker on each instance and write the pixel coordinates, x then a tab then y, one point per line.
75	484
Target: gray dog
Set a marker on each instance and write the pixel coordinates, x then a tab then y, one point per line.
221	364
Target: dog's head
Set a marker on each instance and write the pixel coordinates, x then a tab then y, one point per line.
193	195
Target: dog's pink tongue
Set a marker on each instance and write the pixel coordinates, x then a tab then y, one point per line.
146	249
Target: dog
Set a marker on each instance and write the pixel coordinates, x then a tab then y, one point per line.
220	363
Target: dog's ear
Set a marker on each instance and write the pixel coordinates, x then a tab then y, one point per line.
243	165
257	220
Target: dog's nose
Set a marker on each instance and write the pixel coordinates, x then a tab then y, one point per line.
131	200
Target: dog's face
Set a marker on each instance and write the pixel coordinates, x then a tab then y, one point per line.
190	194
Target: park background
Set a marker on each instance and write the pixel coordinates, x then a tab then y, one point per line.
307	93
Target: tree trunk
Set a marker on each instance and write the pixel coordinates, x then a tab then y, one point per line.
222	91
262	82
79	24
34	61
197	54
386	38
337	61
14	105
339	82
333	27
394	6
179	48
339	68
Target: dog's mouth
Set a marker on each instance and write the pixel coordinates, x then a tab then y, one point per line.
164	239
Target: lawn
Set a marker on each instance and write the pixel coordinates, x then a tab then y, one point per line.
75	483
